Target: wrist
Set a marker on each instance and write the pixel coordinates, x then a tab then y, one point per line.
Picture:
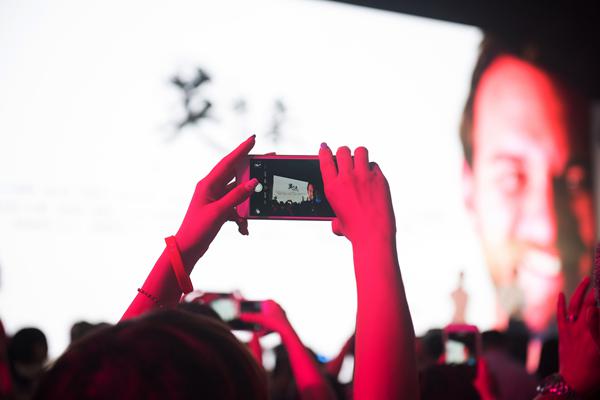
556	385
581	389
189	253
376	241
285	331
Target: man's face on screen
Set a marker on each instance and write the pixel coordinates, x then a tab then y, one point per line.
528	189
310	190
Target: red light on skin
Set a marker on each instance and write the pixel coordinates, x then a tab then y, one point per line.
526	161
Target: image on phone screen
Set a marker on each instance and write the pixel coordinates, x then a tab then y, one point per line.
226	308
288	188
461	348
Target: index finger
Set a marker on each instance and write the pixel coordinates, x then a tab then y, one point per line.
590	300
252	317
578	297
224	171
328	168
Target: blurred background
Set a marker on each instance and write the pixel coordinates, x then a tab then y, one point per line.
110	112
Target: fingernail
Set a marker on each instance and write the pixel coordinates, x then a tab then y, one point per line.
251	184
324	146
252	137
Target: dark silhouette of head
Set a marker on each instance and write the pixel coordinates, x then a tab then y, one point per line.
167	354
27	354
441	382
430	347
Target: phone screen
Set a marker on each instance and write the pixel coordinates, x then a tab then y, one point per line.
288	188
226	308
461	348
250	306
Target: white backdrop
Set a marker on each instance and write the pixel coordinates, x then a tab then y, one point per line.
92	180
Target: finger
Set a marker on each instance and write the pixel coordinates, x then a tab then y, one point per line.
236	195
336	227
252	318
589	300
219	192
578	296
328	168
344	160
272	153
224	171
373	166
375	169
561	316
361	159
230	186
268	305
592	318
241	222
482	368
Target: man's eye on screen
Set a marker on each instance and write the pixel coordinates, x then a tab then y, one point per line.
511	183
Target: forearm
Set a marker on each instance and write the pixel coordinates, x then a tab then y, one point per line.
212	204
385	366
311	384
256	349
160	283
334	366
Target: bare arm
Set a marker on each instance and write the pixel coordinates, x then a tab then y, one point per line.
334	365
385	366
211	206
311	383
255	348
385	361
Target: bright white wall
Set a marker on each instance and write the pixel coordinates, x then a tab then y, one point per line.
91	182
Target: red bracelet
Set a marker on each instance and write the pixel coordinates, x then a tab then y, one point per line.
185	283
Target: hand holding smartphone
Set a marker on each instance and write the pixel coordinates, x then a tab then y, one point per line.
290	187
228	306
462	344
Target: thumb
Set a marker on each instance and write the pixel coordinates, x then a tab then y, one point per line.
255	318
236	195
336	227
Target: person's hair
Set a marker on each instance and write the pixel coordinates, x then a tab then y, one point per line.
167	354
441	382
81	329
548	364
433	345
517	340
27	347
493	340
537	52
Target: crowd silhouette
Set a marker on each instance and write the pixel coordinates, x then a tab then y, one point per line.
165	349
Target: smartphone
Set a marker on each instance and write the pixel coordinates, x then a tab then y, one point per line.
289	187
228	307
246	306
462	344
